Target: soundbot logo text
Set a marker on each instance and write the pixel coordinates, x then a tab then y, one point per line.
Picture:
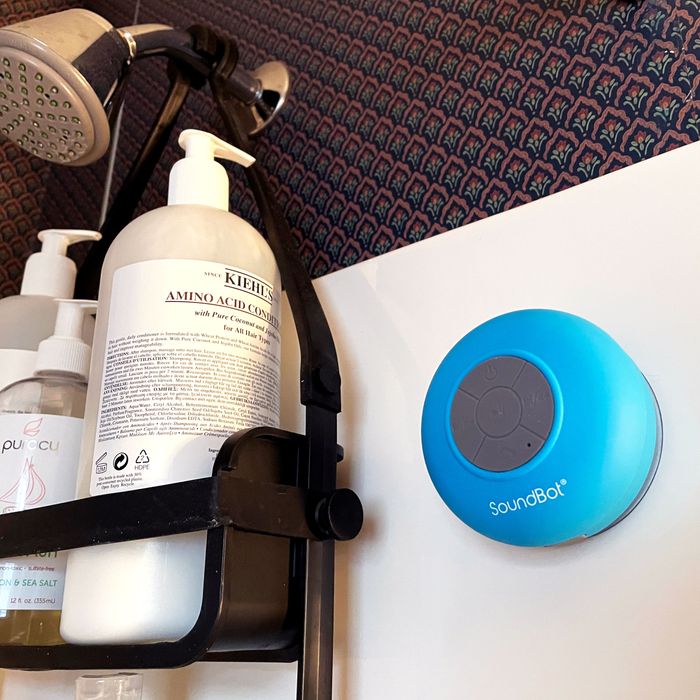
536	497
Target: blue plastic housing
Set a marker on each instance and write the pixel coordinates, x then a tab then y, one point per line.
601	450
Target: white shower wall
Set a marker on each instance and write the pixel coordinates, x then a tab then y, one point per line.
425	607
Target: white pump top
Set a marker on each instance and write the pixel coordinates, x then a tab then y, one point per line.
198	178
50	273
65	350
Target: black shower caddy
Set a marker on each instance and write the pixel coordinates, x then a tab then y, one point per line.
271	509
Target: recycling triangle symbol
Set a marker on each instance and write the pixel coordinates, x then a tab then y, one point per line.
143	458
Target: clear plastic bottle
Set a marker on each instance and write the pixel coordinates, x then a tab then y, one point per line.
41	420
113	686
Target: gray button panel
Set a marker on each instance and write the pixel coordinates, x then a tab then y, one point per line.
502	413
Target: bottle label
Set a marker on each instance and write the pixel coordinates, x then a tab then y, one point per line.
38	467
192	355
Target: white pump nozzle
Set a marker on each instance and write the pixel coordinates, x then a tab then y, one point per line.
50	273
66	351
202	144
198	178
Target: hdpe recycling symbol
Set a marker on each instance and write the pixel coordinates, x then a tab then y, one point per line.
120	461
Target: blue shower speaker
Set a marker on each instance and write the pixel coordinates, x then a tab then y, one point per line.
538	429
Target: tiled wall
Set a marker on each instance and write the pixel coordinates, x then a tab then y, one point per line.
409	118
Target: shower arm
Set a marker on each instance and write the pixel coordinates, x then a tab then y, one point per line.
146	40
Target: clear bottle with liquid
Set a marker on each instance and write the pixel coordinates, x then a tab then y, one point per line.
41	423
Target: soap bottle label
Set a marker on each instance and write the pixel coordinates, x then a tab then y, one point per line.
38	467
192	355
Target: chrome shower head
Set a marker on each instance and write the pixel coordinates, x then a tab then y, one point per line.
57	73
60	74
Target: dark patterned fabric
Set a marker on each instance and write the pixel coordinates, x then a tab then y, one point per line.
409	118
22	177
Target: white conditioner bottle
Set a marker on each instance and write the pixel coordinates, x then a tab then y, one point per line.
186	352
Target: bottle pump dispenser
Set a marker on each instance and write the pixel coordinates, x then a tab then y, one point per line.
28	318
198	178
50	272
66	351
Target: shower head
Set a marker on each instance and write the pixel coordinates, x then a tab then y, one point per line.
60	75
57	73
